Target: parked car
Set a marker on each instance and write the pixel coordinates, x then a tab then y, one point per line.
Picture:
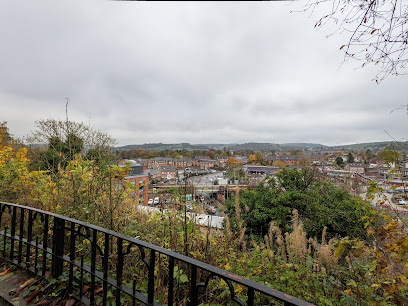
156	200
211	210
150	202
402	202
189	207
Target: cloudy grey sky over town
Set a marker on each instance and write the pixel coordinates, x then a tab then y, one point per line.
193	72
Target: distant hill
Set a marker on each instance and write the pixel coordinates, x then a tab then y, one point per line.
163	146
303	145
374	146
254	146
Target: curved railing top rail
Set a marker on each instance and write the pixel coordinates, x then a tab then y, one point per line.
287	299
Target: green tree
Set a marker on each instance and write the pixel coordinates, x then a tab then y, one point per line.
339	161
64	140
319	203
369	154
350	158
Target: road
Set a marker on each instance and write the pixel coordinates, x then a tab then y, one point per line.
385	198
205	180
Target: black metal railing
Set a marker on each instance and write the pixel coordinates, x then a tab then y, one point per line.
100	266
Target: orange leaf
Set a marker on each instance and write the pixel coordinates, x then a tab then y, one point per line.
70	302
342	47
99	290
7	271
27	283
33	295
373	31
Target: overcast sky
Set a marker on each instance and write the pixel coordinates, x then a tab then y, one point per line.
194	72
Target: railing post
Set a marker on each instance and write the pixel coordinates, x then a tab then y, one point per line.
119	270
150	284
171	282
13	231
193	286
21	234
251	296
58	247
45	245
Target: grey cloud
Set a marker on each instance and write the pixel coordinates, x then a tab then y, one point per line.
194	72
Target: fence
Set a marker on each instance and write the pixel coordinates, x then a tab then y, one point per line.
101	267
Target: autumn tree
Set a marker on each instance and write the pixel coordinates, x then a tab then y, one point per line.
252	159
295	152
17	183
362	154
6	137
211	153
259	158
388	154
279	163
232	162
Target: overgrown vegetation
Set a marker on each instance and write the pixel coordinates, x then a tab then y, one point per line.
299	234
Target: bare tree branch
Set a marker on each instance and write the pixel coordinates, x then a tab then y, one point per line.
378	31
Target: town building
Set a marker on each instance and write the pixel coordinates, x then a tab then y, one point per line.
260	169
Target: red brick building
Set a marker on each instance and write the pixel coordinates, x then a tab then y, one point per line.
141	190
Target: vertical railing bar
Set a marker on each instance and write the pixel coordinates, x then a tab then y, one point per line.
171	281
53	246
251	296
134	293
13	231
194	293
150	286
45	245
93	265
5	241
58	241
36	255
119	270
29	237
72	254
20	245
81	281
105	270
